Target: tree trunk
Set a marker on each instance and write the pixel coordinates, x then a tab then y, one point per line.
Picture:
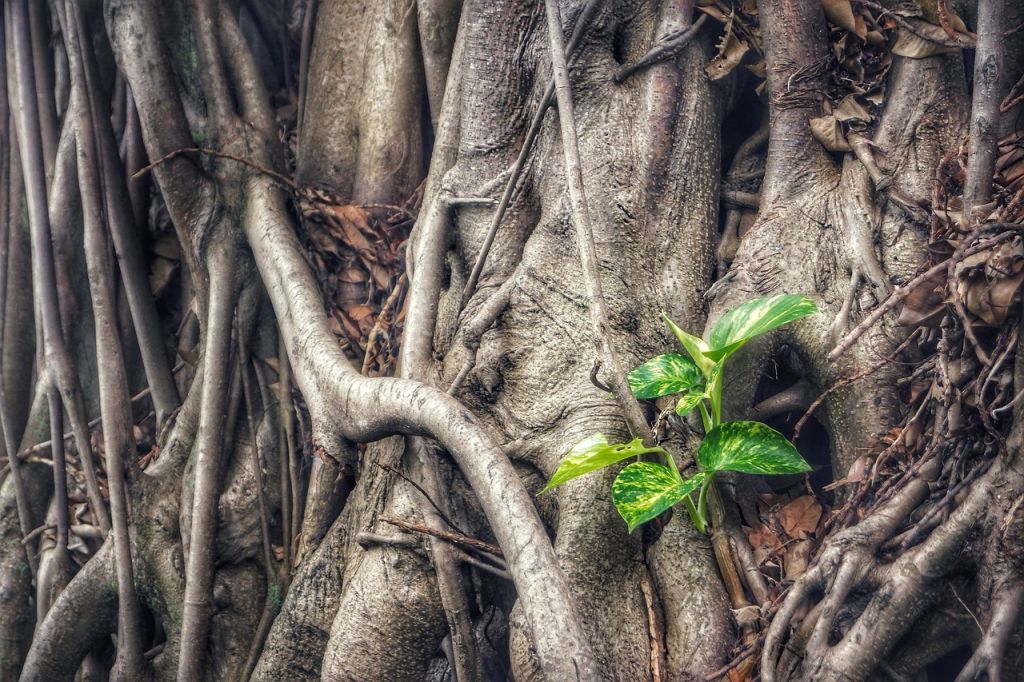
400	256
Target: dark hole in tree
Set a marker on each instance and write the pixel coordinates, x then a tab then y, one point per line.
619	47
813	443
948	666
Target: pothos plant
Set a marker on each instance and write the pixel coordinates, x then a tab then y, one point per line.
643	490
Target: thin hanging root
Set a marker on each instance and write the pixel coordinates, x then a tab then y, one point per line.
988	657
122	228
44	274
851	551
217	352
6	426
454	600
840	586
584	231
115	405
797	596
907	590
668	48
582	21
472	331
271	606
60	482
286	452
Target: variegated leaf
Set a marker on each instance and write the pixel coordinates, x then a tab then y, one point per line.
694	345
756	316
664	375
644	490
688	402
750	447
595	453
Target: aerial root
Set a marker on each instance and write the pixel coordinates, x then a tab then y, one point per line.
988	657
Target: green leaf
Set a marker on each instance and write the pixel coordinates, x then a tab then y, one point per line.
756	316
643	490
664	375
688	402
595	453
750	447
694	345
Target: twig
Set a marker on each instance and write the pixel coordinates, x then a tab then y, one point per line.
901	292
283	180
454	538
414	484
742	656
483	565
378	324
851	379
366	539
962	41
68	435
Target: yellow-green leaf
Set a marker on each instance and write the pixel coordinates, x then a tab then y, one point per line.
644	490
595	453
688	402
694	345
750	447
756	316
664	375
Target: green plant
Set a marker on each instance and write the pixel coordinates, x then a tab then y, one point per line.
643	490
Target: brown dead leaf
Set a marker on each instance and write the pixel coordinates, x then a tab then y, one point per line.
917	47
731	49
797	558
925	304
988	283
849	109
840	13
800	517
764	542
829	133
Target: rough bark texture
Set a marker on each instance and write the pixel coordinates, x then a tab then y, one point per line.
277	514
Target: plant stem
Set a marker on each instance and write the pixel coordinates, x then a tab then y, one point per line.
702	502
671	461
715	392
698	520
705	417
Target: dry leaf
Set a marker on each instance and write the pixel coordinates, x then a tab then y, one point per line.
909	45
731	49
764	542
849	109
797	558
800	517
829	133
840	13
